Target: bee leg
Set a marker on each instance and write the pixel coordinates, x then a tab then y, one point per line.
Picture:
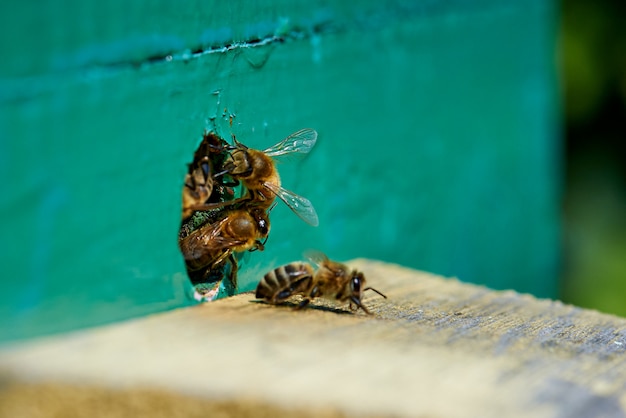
216	205
234	267
225	255
281	296
224	172
358	303
314	293
303	304
258	245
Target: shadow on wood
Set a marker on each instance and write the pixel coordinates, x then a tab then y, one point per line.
436	347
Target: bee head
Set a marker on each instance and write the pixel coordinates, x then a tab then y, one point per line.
239	163
357	287
262	221
357	282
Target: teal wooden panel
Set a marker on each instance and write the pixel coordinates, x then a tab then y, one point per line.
438	143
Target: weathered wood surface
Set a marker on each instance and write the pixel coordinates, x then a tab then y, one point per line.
435	348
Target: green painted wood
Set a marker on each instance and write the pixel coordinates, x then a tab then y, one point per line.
438	142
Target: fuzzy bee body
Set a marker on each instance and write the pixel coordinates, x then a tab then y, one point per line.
257	171
211	247
279	284
203	190
217	224
332	280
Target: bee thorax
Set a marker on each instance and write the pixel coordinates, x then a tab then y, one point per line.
242	226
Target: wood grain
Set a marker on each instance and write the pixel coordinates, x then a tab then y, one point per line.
435	348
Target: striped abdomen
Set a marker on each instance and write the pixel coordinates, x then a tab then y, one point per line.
285	281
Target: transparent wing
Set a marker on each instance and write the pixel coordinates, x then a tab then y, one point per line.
208	239
298	142
301	206
316	257
222	243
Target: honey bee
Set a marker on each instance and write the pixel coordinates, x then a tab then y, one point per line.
217	224
211	247
206	187
257	172
332	280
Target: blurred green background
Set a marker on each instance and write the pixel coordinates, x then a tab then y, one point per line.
593	56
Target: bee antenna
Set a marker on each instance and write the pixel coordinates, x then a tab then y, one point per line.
237	143
371	288
228	148
258	245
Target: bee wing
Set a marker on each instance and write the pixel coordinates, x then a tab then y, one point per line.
300	142
325	264
301	206
222	243
316	257
207	239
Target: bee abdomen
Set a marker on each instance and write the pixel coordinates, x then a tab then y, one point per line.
284	281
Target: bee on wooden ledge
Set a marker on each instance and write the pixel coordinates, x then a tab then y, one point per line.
332	280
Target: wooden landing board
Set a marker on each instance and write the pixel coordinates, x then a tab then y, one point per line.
435	348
